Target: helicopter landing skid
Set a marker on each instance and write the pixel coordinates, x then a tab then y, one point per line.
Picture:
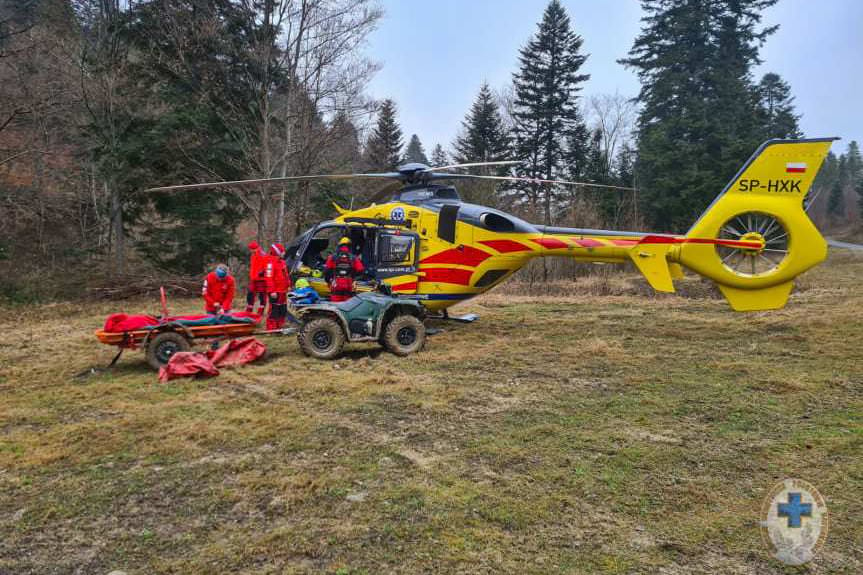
466	318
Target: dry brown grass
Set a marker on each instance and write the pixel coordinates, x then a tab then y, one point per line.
596	431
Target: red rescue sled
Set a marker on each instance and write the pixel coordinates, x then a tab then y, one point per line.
162	337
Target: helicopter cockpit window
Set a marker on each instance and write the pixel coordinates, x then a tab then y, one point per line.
446	194
395	250
416	195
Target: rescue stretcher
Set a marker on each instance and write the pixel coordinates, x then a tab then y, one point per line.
162	336
161	341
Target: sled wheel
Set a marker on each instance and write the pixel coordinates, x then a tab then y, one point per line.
321	338
163	346
753	226
404	335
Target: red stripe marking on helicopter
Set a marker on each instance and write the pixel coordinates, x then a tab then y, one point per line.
446	276
506	246
661	240
405	286
624	242
587	242
550	243
730	243
712	241
464	256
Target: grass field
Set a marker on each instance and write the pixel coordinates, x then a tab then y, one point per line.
612	434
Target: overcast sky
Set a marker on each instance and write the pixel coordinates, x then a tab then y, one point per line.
436	53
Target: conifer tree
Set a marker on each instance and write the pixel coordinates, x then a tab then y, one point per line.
836	201
777	108
415	152
826	177
547	120
859	190
855	171
596	167
384	146
699	112
173	125
624	166
483	137
854	163
439	156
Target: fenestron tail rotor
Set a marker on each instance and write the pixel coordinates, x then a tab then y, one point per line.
758	227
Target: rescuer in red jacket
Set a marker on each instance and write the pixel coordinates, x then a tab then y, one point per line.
257	279
340	270
278	285
218	290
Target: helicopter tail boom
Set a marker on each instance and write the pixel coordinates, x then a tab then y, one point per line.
756	236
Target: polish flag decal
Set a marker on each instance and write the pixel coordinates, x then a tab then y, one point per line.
795	168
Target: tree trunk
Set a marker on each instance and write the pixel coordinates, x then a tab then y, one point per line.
119	244
262	217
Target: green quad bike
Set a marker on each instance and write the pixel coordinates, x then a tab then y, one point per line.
396	323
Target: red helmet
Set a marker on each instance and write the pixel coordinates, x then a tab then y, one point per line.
253	245
277	250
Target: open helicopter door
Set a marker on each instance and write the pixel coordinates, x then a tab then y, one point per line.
396	256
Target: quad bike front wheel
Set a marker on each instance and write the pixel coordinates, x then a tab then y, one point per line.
404	335
321	338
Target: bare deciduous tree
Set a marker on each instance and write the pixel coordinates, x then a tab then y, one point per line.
614	116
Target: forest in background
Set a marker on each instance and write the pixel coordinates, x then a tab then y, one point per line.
100	99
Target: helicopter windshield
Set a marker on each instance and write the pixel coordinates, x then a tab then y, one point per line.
447	194
292	249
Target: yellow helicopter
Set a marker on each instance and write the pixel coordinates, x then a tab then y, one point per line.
429	245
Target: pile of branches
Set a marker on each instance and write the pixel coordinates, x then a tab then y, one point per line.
132	285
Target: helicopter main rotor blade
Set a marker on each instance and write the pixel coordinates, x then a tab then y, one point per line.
267	181
525	180
474	165
385	192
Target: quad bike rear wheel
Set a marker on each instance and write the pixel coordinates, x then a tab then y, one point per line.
163	346
404	335
321	338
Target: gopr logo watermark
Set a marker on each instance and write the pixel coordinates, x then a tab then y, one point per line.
794	521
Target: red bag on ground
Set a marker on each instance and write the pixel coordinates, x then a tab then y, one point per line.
186	364
192	363
237	352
